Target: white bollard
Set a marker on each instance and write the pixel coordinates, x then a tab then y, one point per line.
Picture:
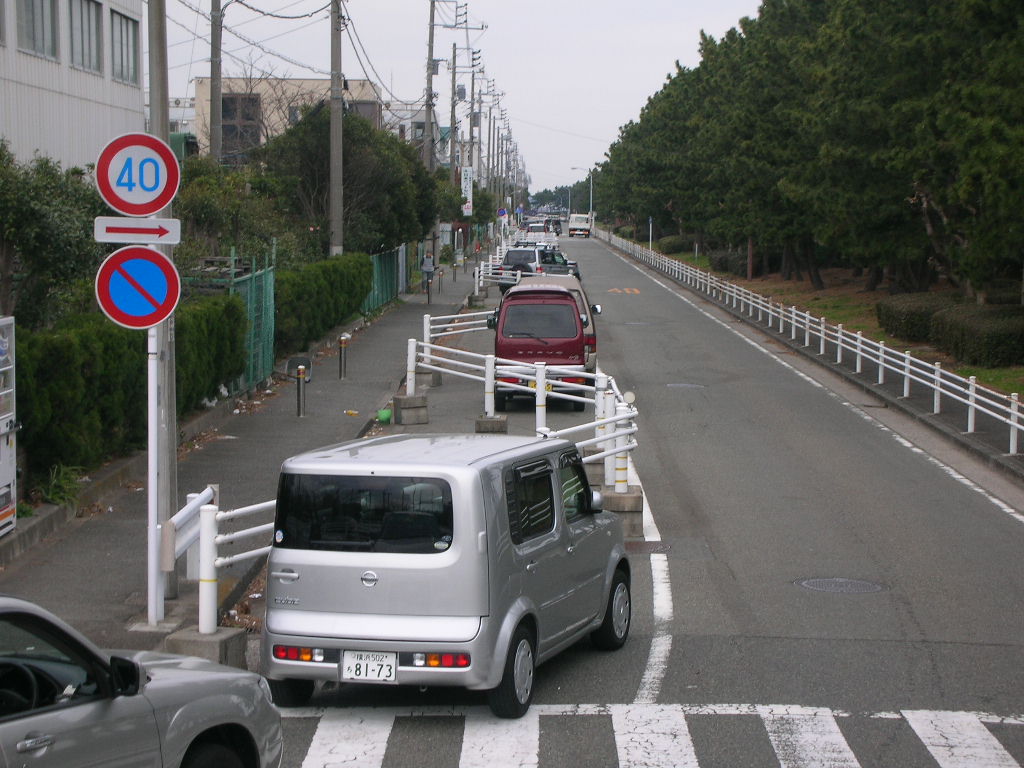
489	386
542	398
622	457
609	461
207	569
600	385
410	369
426	339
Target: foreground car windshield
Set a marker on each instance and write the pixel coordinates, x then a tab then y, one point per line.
364	514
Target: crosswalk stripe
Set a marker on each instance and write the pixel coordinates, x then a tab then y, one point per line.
958	740
488	742
807	737
652	737
350	737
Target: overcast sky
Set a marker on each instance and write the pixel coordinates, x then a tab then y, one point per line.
572	71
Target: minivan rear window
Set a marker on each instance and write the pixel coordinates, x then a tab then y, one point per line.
545	321
364	513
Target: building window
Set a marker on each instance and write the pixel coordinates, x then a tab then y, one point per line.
124	48
240	121
37	27
86	16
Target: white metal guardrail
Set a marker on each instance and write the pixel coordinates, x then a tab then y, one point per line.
810	330
196	529
613	415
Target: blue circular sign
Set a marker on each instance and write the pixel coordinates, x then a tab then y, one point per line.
137	287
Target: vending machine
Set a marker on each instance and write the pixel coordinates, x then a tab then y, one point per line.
8	430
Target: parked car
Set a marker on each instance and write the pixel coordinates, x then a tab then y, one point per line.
518	262
555	262
588	312
538	323
439	560
65	703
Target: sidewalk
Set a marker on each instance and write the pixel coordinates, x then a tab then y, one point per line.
91	569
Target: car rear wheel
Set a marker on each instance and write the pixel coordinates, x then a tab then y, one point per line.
211	756
614	630
512	697
500	402
291	693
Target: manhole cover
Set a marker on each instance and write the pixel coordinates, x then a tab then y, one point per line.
840	586
638	547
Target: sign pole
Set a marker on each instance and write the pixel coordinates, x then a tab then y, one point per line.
154	580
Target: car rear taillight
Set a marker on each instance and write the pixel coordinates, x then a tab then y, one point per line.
297	653
574	380
508	379
443	660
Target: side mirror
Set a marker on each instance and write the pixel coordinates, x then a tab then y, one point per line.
492	322
595	308
125	676
596	501
585	319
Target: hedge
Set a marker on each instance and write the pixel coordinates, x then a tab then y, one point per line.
317	297
733	262
82	386
989	336
673	244
908	316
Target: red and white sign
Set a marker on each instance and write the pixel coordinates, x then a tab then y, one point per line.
137	287
137	174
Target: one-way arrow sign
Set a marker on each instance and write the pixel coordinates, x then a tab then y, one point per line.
123	229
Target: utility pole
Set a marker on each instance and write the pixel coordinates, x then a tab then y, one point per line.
337	132
216	107
428	105
452	133
167	452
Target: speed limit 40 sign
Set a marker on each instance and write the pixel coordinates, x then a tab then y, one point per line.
137	174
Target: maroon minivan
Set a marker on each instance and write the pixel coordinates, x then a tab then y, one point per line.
538	324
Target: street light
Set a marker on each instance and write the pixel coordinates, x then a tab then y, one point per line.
591	174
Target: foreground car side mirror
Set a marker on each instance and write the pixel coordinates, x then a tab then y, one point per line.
595	308
125	676
492	322
596	501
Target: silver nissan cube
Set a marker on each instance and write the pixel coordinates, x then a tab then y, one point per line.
439	560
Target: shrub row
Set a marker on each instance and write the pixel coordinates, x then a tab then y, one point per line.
317	297
991	336
82	386
733	262
671	244
908	316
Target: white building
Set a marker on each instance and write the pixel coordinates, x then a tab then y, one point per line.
70	76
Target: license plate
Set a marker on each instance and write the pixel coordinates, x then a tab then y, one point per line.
369	666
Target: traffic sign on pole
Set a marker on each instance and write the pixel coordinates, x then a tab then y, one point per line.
137	287
137	174
120	229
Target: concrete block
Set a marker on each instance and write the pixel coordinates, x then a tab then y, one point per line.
225	646
492	425
629	506
410	409
435	379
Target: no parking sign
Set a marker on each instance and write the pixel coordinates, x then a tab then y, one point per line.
137	287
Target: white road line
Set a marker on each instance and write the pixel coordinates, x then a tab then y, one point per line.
653	737
357	737
958	740
488	742
673	289
807	738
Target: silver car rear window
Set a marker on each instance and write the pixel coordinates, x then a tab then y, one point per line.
364	514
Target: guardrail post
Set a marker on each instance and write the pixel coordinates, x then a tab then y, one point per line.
807	330
300	390
972	396
821	344
906	373
207	569
192	553
489	386
622	457
792	323
936	400
600	385
860	341
541	398
477	281
427	339
881	362
609	461
1014	418
839	344
410	368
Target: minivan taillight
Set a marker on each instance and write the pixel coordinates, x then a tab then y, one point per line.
296	653
443	660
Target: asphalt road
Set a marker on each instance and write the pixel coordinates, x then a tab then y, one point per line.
830	585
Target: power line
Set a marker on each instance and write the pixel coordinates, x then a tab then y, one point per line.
281	16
